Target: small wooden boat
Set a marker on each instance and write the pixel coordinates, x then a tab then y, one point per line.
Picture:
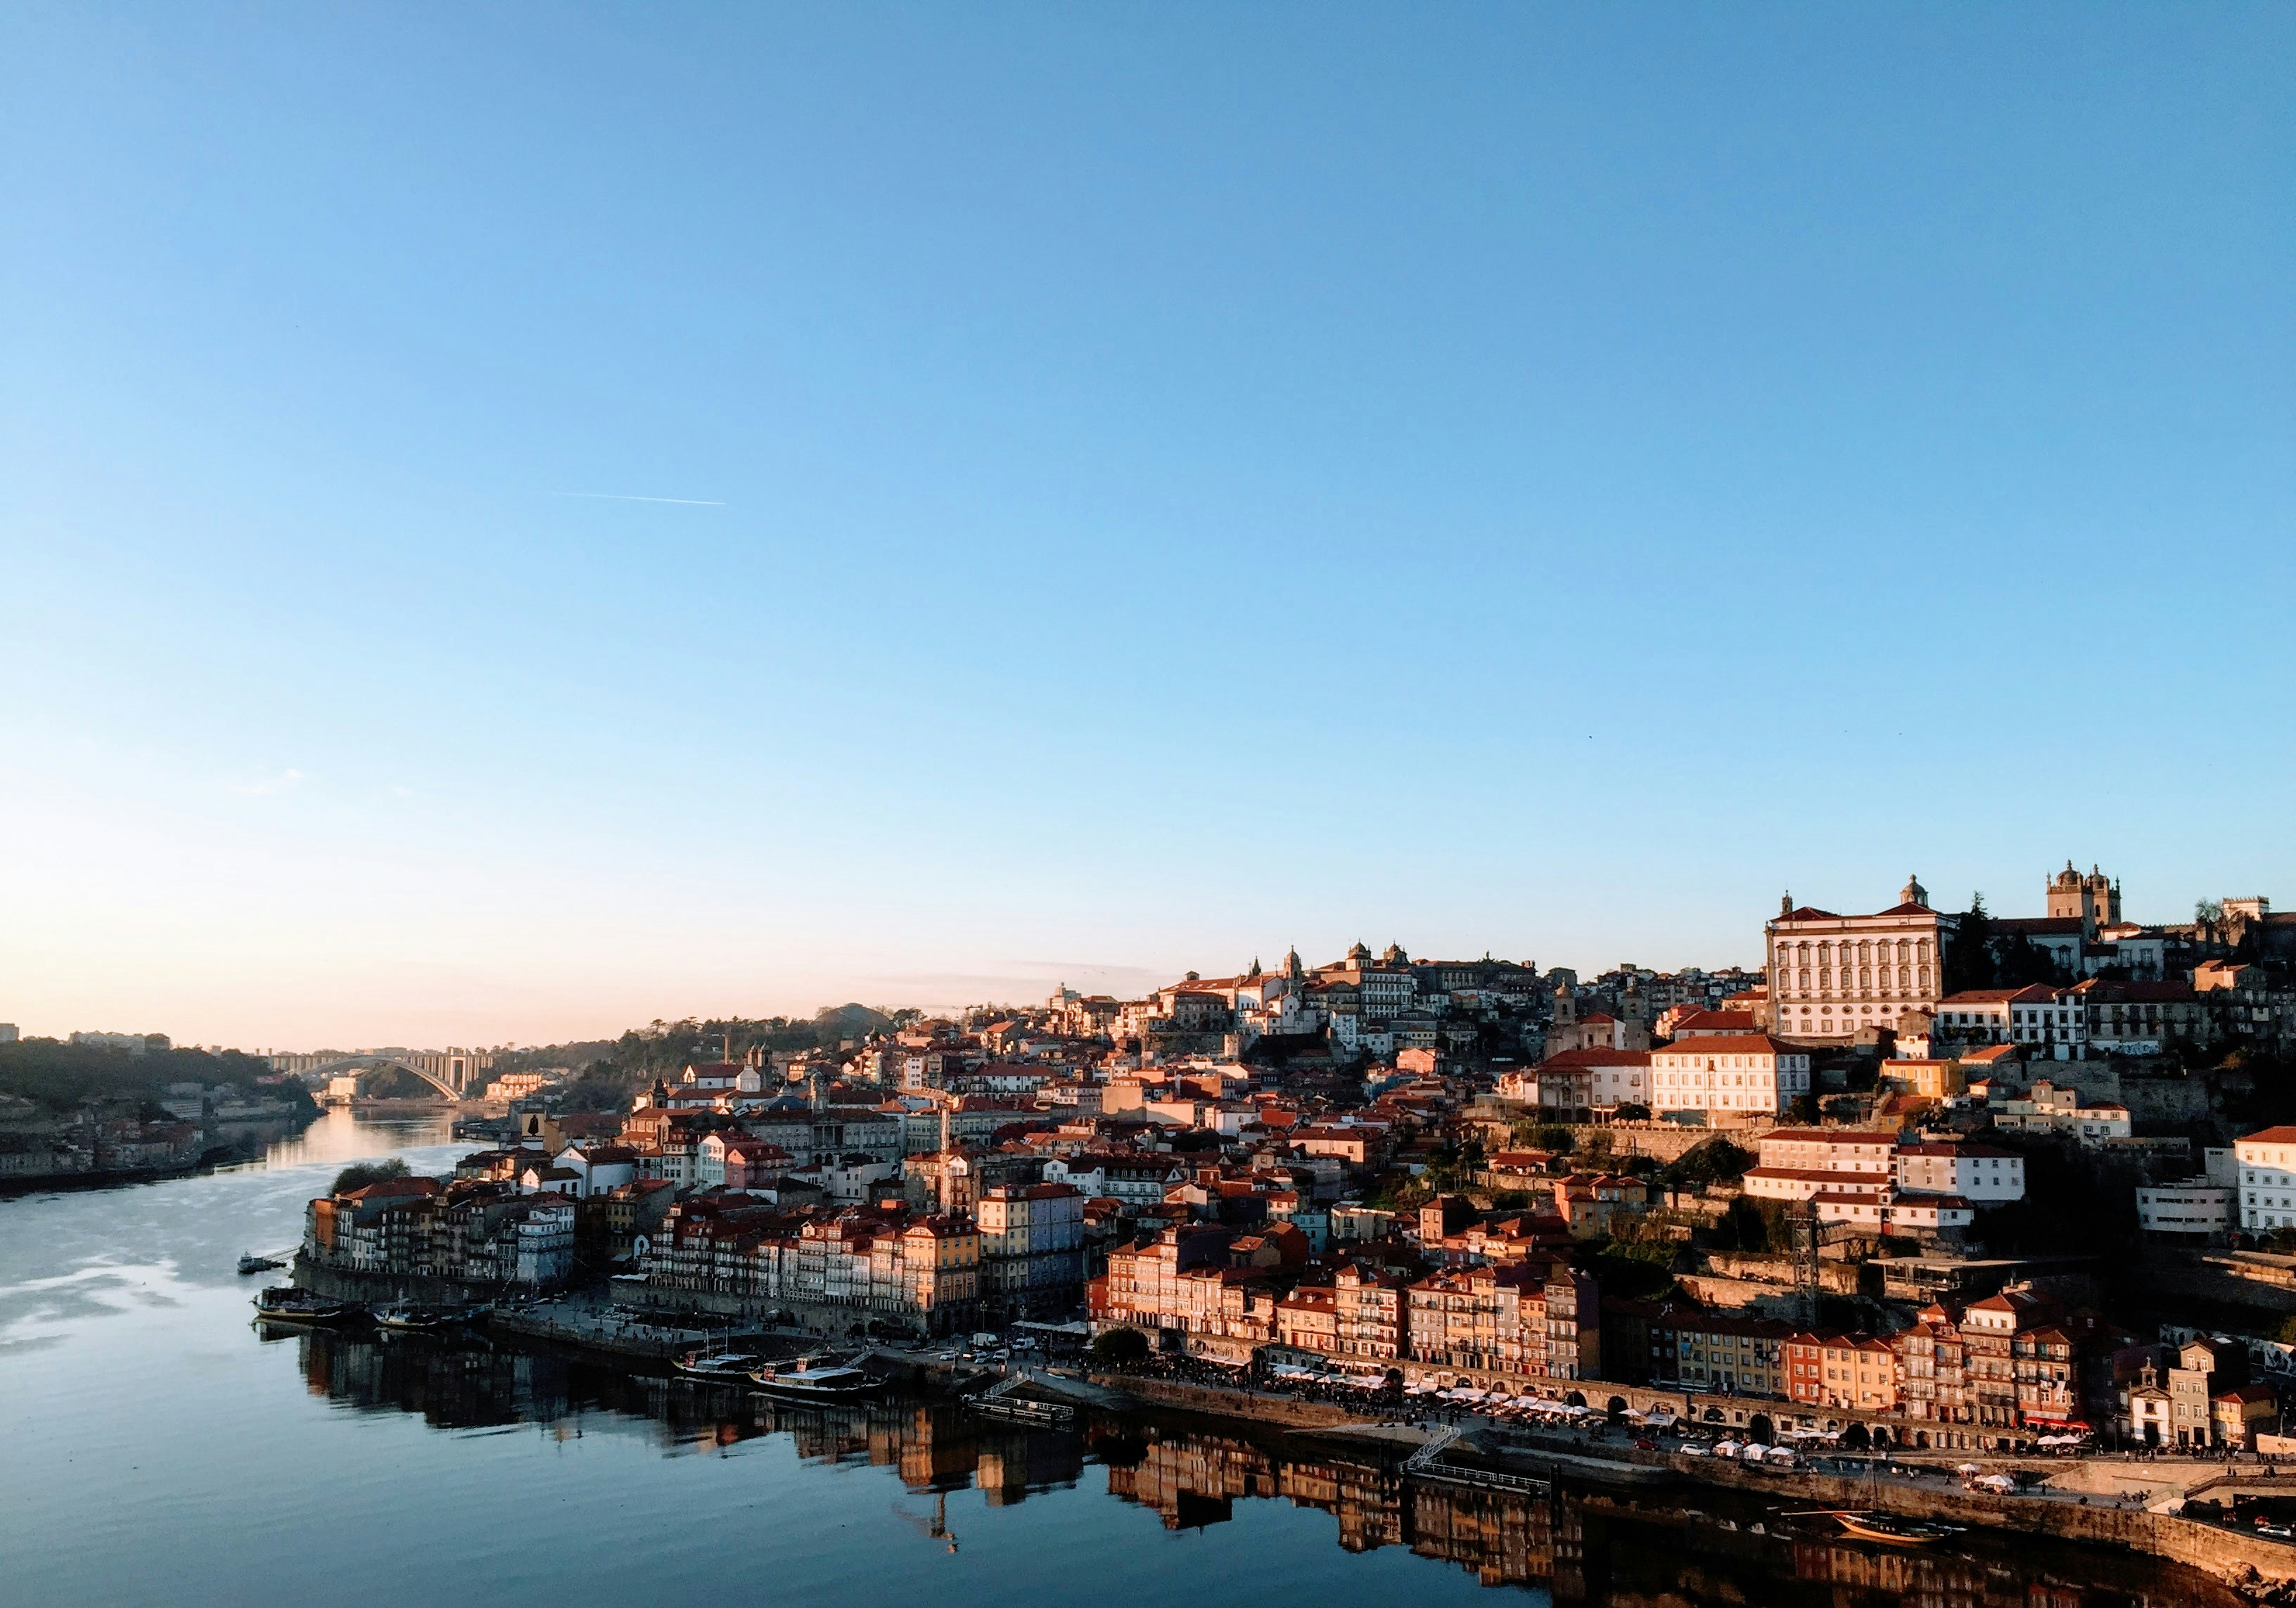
415	1320
287	1304
249	1262
1886	1531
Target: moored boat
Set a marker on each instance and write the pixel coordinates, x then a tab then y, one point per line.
249	1262
1887	1532
718	1367
416	1319
803	1380
287	1304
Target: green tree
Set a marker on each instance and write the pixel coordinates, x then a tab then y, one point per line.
1752	1225
358	1175
1968	960
1117	1348
1716	1160
1981	955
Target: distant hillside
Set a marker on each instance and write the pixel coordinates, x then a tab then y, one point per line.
609	1073
59	1076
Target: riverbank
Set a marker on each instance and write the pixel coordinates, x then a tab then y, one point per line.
2252	1564
48	1182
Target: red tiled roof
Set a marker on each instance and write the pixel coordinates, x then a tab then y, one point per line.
1834	1136
1734	1043
1597	1056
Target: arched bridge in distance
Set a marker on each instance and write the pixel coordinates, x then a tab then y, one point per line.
360	1066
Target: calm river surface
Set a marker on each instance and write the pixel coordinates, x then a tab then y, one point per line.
154	1448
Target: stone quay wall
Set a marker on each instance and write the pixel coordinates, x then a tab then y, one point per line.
2229	1555
2239	1559
337	1283
1260	1407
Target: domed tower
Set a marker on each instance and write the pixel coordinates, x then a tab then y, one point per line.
2065	895
2091	900
1914	893
1292	969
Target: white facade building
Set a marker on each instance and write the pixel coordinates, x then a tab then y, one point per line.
1985	1175
1831	975
2268	1179
1745	1075
2191	1206
545	1241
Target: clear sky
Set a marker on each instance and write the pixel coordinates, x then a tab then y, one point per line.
1142	486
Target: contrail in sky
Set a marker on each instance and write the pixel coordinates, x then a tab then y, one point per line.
616	496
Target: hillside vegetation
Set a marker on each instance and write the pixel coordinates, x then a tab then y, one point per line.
608	1073
59	1077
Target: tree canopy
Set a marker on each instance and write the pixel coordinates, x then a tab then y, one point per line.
1117	1347
61	1076
358	1175
1981	955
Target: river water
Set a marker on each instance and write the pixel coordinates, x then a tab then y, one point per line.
156	1448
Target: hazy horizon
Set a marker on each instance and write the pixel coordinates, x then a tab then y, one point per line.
1031	982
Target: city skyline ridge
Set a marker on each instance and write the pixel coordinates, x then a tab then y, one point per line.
1025	983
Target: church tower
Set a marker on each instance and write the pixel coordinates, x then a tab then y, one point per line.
1914	893
2093	900
2065	895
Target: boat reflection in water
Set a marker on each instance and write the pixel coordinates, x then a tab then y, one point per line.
1685	1546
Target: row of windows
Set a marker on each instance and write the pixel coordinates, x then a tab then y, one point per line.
1906	977
1826	952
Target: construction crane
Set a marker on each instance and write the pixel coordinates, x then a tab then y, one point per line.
1808	1238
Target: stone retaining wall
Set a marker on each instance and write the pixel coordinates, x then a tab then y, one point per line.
1260	1407
337	1283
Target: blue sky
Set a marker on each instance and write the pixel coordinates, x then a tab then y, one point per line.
1161	483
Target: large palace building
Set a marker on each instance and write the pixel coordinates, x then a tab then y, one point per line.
1831	975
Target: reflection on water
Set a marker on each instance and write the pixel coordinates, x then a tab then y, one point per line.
1581	1546
161	1448
339	1136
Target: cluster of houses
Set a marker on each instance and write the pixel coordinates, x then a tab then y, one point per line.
1240	1167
